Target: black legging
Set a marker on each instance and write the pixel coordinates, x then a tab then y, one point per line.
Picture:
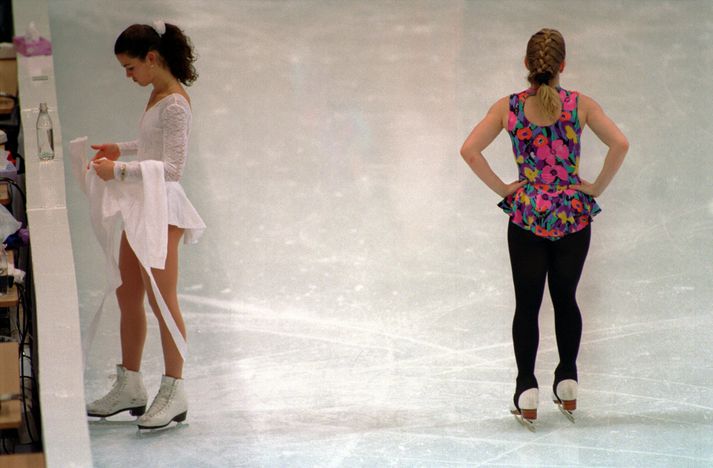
533	259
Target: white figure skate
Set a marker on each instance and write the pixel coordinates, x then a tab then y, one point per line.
127	394
565	397
526	410
169	405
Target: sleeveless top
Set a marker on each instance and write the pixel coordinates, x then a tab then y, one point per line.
548	158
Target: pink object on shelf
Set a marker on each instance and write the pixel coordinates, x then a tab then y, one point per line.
27	48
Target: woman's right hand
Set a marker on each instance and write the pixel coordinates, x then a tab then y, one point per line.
512	188
108	151
587	188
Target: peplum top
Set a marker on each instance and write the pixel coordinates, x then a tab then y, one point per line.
548	158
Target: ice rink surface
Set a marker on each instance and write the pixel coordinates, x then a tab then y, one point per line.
351	301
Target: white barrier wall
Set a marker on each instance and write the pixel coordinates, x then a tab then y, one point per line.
65	434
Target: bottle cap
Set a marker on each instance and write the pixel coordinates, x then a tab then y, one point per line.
43	107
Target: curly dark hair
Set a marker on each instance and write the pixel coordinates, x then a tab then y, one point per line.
173	46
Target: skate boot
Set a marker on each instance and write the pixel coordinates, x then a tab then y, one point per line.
525	410
565	397
169	405
127	394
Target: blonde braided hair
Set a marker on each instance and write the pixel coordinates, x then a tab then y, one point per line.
545	54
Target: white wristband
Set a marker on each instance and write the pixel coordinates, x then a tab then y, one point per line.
120	171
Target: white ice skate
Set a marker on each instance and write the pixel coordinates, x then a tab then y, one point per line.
127	394
526	410
169	405
565	397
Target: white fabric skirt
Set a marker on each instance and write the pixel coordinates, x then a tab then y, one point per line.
181	213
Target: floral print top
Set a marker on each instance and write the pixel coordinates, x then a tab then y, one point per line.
548	157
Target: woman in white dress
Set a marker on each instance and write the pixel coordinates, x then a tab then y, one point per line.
162	56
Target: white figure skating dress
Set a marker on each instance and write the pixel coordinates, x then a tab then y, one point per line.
163	136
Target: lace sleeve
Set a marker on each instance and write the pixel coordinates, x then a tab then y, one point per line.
174	119
128	147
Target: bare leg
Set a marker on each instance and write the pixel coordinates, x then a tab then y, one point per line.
167	282
130	296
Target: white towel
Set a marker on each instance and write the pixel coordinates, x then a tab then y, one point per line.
143	208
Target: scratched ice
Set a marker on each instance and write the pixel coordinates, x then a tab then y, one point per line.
350	304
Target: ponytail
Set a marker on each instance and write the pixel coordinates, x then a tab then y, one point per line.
177	51
549	101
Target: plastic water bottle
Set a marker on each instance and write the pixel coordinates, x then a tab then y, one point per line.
45	134
4	272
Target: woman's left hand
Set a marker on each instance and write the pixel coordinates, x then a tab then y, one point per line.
104	168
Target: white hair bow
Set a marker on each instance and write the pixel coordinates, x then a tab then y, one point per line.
160	27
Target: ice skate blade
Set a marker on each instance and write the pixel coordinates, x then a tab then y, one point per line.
568	414
566	407
134	411
528	423
179	419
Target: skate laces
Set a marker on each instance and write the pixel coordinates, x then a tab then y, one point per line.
113	395
160	402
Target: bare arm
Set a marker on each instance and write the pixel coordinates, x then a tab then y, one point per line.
482	135
607	131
